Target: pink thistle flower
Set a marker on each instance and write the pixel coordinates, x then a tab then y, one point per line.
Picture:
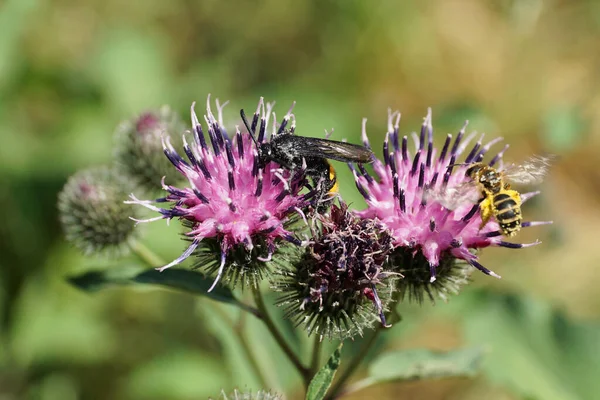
234	206
420	225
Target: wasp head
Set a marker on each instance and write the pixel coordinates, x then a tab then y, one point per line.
265	152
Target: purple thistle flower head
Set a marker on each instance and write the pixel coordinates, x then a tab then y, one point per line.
401	197
236	208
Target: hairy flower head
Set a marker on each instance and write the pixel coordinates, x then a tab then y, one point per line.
400	196
235	208
339	286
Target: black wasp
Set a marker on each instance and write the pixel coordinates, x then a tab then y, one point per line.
292	152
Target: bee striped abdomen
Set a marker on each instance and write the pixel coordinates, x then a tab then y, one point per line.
507	210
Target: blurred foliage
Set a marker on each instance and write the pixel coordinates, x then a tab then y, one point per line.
70	71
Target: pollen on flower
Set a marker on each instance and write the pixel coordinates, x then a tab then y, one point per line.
401	196
235	208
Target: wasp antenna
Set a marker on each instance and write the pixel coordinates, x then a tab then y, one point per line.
243	115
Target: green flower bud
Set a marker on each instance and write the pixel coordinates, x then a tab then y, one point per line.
92	211
139	150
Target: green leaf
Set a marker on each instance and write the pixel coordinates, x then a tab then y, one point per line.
179	373
528	337
322	380
93	281
419	364
180	279
188	281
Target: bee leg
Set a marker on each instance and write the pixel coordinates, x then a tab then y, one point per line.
486	211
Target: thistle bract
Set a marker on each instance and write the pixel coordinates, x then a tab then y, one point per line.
236	209
420	225
451	275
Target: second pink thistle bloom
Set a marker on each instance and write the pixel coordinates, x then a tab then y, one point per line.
399	198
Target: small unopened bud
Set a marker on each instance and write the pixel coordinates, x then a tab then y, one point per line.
92	212
139	150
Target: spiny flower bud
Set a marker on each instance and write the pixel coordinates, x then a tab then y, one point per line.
139	149
339	285
249	395
92	211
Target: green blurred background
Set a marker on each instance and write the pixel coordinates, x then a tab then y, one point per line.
70	70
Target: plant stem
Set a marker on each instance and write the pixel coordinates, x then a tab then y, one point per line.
316	355
239	328
353	364
144	253
266	318
154	260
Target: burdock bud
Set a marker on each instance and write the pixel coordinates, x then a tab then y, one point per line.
339	286
139	149
249	395
92	211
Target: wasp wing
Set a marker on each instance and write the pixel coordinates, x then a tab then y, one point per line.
331	149
531	172
455	196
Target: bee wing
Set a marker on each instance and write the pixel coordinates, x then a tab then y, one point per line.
456	196
531	172
340	151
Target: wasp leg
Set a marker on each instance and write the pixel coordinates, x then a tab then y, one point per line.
324	181
486	211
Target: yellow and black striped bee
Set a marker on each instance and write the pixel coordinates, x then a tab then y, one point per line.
294	152
491	189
